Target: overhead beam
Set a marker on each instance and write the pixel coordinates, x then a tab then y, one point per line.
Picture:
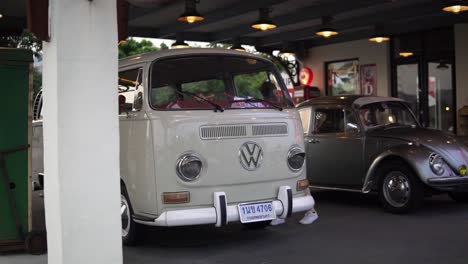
136	12
306	14
400	27
154	33
402	12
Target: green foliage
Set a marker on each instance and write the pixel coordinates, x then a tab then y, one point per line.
133	47
249	84
26	40
219	45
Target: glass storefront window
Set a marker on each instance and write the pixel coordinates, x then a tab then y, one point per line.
440	96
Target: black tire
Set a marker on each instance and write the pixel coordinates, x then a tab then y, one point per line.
129	227
400	190
257	225
461	197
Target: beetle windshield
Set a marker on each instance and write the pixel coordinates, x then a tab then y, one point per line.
385	114
199	82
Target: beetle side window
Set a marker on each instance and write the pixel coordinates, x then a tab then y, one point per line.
351	124
131	90
305	119
329	121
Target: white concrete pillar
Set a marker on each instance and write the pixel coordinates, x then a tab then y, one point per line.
81	146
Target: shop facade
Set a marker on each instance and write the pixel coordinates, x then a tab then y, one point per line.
425	68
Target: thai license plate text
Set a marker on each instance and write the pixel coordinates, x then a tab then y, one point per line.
256	212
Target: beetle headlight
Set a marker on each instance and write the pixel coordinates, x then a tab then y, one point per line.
189	167
296	157
437	164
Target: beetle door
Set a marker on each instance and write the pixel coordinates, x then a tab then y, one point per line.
334	148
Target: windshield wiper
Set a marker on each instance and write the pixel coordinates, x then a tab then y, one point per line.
255	100
215	105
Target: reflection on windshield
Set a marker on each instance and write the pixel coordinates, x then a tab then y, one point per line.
227	81
384	114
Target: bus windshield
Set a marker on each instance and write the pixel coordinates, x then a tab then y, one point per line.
230	82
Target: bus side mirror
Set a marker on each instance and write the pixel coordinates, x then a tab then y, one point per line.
138	103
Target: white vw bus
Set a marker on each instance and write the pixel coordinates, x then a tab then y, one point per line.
207	136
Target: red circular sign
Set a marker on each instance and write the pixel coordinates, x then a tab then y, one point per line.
306	76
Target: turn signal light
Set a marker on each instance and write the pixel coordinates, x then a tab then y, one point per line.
463	170
302	185
176	197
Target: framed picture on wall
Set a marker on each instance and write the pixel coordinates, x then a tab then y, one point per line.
342	77
368	78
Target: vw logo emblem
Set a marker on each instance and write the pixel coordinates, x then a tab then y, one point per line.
250	155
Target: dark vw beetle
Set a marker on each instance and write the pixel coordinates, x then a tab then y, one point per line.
361	143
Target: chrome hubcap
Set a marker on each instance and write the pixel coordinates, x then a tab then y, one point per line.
396	189
125	215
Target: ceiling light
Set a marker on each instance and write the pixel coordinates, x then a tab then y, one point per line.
406	54
191	15
287	51
379	36
264	22
379	39
1	15
180	43
456	7
326	31
287	54
237	46
442	66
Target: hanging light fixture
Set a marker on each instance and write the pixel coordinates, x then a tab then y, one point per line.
442	65
191	15
326	31
287	51
264	22
406	54
237	46
180	43
456	6
379	36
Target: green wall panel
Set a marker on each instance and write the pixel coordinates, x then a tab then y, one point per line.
14	127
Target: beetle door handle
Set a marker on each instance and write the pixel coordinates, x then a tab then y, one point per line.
314	141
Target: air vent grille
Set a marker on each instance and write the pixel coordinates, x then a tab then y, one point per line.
269	130
243	131
223	132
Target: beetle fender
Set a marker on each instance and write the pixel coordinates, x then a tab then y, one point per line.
414	155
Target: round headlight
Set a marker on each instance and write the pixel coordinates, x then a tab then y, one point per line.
296	157
437	164
189	167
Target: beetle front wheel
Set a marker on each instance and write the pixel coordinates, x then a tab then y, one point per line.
400	191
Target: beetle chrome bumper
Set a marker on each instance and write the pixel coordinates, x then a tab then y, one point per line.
221	213
448	182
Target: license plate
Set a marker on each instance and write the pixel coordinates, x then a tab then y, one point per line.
256	212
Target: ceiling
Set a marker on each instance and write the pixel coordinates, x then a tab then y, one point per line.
14	16
297	20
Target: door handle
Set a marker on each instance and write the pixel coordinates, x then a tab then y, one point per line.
314	141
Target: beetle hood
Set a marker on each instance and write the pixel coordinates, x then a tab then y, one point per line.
452	148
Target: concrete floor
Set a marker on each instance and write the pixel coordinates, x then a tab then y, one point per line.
351	229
